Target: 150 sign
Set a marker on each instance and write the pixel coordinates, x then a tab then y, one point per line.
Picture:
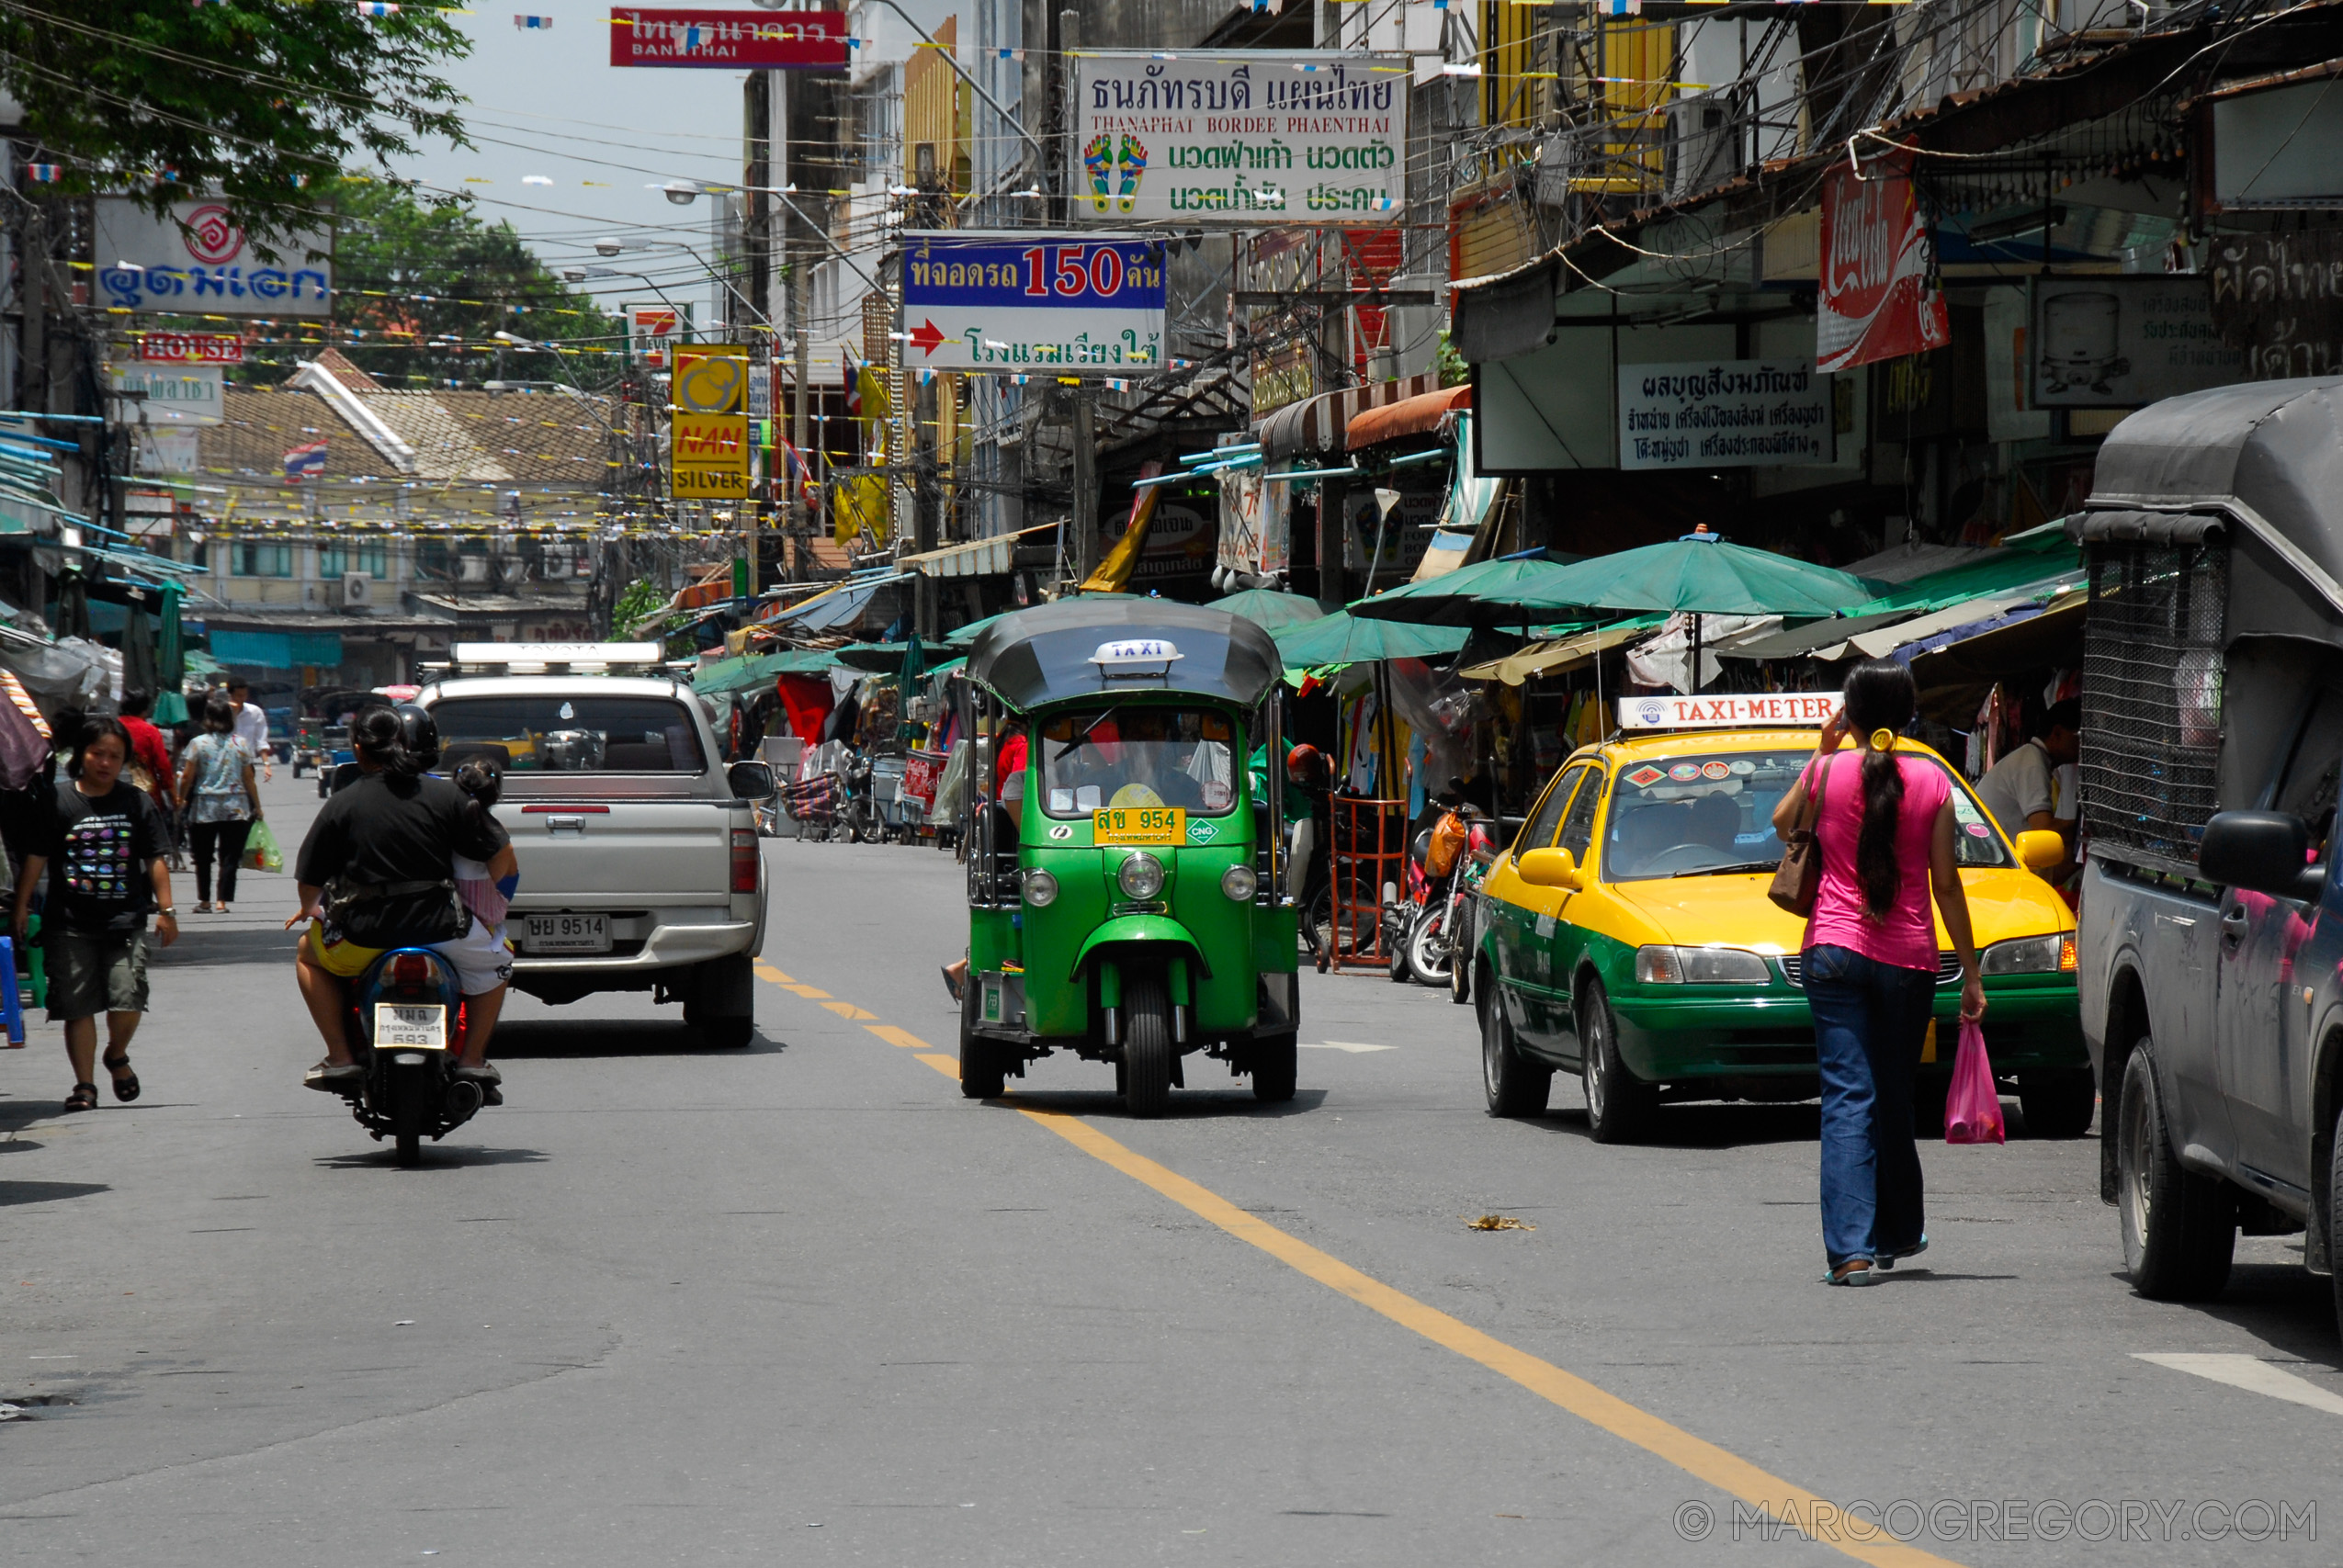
1018	301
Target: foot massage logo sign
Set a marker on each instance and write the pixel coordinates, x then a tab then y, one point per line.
1103	159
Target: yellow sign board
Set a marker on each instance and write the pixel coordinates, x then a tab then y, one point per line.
711	484
711	378
1158	825
710	441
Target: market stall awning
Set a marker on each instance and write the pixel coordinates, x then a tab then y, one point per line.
1409	416
1313	427
1270	609
722	675
978	558
837	606
1799	641
1881	641
1344	639
1558	656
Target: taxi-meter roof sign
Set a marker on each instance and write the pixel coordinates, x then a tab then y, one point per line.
1755	710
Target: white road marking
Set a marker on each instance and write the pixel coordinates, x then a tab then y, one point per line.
1355	1047
2251	1373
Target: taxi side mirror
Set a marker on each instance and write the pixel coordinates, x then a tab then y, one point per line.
2040	848
1551	868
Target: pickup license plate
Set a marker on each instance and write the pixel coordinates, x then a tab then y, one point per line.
1158	825
566	933
404	1026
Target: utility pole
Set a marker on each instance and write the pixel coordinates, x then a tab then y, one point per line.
800	520
1085	480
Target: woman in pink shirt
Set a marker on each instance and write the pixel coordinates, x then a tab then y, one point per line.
1885	832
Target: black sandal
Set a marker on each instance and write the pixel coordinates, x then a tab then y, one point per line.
84	1098
126	1084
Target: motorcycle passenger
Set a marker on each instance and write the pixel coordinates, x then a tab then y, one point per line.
380	854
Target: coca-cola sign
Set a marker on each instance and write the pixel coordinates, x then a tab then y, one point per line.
1879	298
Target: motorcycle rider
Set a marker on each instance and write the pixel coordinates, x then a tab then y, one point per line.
389	839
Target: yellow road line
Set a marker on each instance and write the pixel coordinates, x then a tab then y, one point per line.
767	972
848	1010
811	993
1815	1515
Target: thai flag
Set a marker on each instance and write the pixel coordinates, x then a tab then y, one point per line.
376	8
305	463
538	24
44	174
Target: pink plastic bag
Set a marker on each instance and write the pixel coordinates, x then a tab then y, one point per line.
1972	1107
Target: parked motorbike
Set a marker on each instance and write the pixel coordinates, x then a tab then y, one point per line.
1444	865
404	1026
858	810
1481	850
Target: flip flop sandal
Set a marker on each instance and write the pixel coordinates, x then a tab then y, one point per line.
1891	1257
126	1083
1845	1274
84	1098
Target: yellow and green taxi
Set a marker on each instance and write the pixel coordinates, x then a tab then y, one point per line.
1627	936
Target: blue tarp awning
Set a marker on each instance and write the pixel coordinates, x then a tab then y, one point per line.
276	651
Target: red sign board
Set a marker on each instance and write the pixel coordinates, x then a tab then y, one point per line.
189	348
1879	300
728	40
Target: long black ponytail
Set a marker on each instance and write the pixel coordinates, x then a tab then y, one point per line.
1880	696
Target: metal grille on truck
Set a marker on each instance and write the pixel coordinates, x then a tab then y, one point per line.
2152	698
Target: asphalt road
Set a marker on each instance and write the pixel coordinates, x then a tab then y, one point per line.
802	1303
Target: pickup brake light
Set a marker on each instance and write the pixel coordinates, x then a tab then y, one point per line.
744	860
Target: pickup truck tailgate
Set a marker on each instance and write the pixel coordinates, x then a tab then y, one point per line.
634	853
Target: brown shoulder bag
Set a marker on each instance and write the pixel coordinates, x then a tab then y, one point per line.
1799	877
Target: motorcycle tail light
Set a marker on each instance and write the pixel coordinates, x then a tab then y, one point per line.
744	860
411	969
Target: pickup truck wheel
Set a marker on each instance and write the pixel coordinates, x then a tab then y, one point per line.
2179	1228
1275	1066
1620	1106
982	1077
1146	1046
2057	1102
727	1033
1514	1085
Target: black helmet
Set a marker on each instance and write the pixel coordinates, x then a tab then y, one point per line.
419	733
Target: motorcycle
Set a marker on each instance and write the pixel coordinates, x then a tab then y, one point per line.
1481	850
405	1021
1431	928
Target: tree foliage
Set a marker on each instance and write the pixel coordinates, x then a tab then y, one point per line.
259	102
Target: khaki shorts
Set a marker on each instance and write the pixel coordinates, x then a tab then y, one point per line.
90	974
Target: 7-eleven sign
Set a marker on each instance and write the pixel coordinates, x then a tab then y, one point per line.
652	333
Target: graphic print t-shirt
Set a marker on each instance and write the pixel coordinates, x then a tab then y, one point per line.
99	849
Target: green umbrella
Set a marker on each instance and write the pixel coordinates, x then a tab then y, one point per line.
171	661
1486	594
1268	609
1699	572
872	658
963	637
1344	639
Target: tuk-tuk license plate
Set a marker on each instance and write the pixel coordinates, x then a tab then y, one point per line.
404	1026
566	933
1160	825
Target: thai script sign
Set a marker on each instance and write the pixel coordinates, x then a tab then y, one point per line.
199	262
708	444
728	40
2126	342
1259	138
180	394
1880	298
188	348
2279	296
1012	300
1737	413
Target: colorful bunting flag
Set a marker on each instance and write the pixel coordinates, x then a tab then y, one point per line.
538	23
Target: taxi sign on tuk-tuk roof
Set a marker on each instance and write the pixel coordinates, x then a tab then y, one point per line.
1076	647
1752	710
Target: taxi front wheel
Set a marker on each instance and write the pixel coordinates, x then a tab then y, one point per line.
1620	1106
1515	1087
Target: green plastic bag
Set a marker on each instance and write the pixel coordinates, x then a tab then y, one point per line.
260	848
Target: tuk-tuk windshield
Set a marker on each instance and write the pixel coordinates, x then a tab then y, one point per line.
1128	755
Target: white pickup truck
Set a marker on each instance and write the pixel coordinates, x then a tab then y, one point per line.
640	869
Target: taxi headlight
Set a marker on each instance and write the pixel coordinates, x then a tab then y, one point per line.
1141	876
1700	966
1238	884
2030	955
1041	889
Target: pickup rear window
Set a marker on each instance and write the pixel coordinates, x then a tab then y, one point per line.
570	735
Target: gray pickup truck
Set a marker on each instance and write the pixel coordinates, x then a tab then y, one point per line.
640	867
2211	922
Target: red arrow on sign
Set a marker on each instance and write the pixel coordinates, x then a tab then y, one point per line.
929	338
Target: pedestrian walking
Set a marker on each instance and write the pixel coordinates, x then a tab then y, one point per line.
251	726
1885	828
102	848
216	781
150	766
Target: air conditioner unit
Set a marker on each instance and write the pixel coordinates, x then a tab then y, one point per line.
358	590
1703	146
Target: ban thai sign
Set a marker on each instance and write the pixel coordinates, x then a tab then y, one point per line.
1735	414
1879	296
1258	137
728	40
199	262
1017	300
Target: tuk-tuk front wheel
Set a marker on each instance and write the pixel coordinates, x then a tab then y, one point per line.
981	1074
1276	1065
1147	1046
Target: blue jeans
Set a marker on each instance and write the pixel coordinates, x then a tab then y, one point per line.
1870	1021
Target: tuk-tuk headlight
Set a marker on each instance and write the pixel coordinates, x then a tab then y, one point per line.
1141	876
2030	955
1238	883
1041	889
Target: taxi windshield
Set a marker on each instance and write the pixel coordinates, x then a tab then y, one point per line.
1128	755
1709	813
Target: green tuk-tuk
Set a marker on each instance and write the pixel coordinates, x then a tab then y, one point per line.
1126	897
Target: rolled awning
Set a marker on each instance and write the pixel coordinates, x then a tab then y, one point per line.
978	558
1409	416
2168	529
1313	427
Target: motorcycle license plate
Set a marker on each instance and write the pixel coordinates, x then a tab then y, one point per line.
405	1026
1158	825
566	933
